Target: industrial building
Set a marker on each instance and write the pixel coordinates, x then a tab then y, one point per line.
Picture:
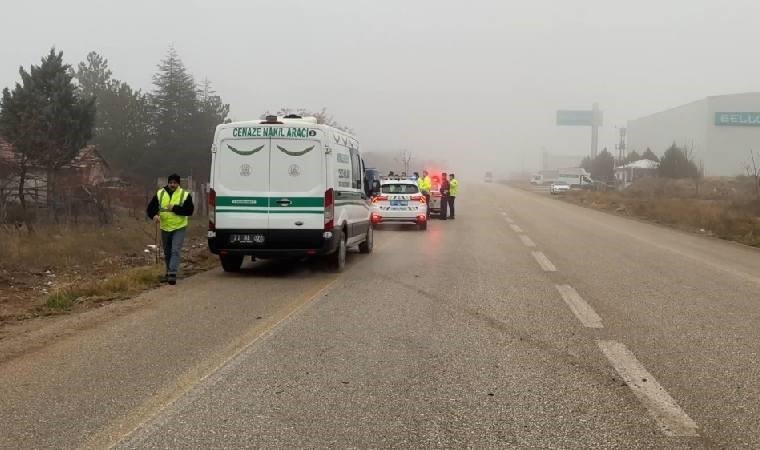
720	130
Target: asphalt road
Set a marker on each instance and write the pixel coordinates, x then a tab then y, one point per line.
526	322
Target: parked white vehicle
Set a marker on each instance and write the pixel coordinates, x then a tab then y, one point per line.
399	201
286	187
559	187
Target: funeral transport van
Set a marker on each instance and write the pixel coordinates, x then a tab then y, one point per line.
286	187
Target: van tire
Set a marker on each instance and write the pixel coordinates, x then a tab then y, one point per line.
336	260
422	226
231	263
369	241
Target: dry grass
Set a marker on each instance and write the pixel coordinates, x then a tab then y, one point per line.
125	283
71	268
727	209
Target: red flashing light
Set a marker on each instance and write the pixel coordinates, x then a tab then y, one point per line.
329	209
212	210
421	218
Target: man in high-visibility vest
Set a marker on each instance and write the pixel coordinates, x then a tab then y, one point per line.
425	184
171	207
453	191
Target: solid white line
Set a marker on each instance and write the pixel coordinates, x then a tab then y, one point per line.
585	313
515	228
528	242
544	262
672	420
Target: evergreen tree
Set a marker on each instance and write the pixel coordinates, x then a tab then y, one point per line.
633	156
675	163
175	105
123	129
46	117
587	163
649	154
603	166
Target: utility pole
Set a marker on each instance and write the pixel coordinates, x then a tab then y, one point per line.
595	123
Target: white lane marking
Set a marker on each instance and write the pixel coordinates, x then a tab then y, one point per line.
528	242
544	262
503	213
672	420
515	228
582	310
509	220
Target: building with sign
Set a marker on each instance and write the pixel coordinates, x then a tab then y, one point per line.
719	130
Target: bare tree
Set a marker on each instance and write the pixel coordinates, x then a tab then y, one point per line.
404	159
753	171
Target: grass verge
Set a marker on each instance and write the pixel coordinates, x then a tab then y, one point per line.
128	282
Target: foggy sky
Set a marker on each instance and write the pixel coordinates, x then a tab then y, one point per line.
478	82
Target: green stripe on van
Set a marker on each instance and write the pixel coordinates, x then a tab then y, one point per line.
295	202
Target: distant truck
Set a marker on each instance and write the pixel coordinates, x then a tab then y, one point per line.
488	177
574	176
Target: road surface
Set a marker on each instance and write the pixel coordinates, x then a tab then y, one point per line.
526	322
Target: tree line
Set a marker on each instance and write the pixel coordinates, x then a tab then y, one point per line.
56	109
676	162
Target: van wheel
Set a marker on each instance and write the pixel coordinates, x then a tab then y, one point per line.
231	263
337	259
422	226
369	241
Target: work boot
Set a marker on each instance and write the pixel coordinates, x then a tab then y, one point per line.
172	279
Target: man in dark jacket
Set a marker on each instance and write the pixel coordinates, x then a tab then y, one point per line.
445	186
171	207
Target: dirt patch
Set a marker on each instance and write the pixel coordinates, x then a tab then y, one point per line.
64	270
727	208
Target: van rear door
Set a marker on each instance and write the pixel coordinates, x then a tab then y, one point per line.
241	182
297	183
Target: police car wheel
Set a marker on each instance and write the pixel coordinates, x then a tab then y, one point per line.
231	263
369	241
337	259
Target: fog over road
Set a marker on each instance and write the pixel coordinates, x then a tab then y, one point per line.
526	322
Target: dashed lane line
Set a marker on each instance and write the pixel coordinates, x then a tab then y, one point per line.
671	419
544	262
528	242
516	228
585	313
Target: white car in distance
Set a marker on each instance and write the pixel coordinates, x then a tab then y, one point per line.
399	201
559	187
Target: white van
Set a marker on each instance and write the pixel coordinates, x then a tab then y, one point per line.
286	187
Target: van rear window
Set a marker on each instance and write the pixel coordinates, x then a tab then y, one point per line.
399	189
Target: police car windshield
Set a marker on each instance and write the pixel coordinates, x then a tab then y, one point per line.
399	189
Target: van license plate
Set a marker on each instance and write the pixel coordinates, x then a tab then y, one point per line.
399	202
246	238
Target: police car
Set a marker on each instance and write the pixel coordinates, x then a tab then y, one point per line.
399	201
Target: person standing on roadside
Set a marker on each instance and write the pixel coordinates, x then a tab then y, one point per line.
453	191
445	187
170	208
425	185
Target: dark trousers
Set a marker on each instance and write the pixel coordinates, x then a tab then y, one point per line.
451	205
172	241
444	204
427	202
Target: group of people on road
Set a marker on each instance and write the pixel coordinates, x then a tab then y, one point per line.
448	188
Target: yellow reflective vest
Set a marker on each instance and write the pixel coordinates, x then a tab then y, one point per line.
453	187
169	220
425	184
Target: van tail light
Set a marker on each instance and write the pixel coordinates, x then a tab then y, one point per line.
375	218
212	210
418	198
379	198
329	209
421	218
